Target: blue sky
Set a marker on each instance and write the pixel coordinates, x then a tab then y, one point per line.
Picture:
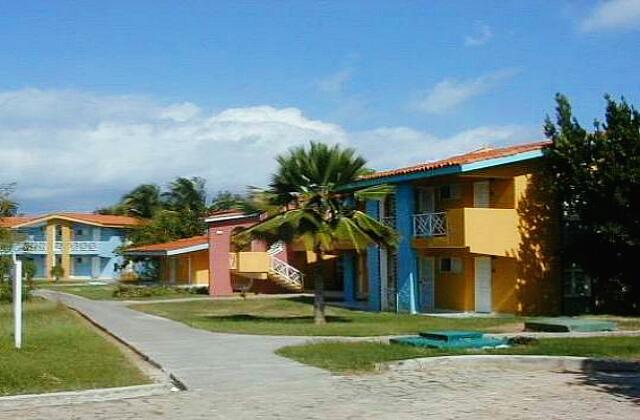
96	97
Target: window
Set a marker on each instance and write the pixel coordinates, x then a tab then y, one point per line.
79	260
449	192
576	282
79	232
450	265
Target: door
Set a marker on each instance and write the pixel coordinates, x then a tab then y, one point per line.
482	284
426	202
426	270
481	194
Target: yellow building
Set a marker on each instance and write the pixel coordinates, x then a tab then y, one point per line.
477	234
184	262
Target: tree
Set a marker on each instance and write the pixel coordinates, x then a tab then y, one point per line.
57	272
226	200
143	201
596	177
8	207
186	194
304	203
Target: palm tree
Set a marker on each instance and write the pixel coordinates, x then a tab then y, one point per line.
187	194
144	201
304	203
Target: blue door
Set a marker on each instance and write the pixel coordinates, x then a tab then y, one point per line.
426	283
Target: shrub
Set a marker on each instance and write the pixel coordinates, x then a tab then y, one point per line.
57	272
6	292
135	291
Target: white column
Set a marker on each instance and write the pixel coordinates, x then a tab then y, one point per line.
173	269
95	267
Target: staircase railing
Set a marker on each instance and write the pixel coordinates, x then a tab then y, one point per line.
288	273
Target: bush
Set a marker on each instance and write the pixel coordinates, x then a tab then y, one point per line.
57	272
6	292
133	291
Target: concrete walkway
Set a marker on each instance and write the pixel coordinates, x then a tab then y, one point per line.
198	359
232	376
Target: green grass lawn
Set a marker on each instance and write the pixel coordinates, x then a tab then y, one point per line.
105	292
341	357
61	352
293	316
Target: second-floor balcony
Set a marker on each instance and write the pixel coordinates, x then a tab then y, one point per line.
487	231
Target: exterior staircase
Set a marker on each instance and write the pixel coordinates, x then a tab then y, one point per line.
282	273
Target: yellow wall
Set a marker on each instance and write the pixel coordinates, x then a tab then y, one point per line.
491	231
199	268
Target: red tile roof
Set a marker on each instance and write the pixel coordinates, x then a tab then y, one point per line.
171	246
90	218
475	156
7	222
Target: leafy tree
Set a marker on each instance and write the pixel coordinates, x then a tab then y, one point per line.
227	200
8	207
596	176
304	203
29	270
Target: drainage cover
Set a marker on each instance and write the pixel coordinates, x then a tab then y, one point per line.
451	340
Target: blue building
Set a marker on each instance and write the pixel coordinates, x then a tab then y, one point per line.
82	244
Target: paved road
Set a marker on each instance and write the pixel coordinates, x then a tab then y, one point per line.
238	377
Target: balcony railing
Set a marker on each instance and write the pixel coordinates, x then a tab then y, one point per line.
389	221
430	224
41	246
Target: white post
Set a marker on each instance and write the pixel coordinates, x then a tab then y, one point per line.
17	302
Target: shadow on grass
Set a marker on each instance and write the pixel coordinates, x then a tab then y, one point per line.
270	319
623	381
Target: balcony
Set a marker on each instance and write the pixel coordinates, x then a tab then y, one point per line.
482	230
249	262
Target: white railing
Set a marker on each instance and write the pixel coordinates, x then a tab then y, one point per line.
41	246
83	245
291	276
430	224
389	221
276	248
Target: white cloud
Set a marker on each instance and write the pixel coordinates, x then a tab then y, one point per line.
69	149
335	83
449	93
481	36
410	146
77	151
612	15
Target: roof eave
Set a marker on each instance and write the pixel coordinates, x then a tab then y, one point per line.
448	170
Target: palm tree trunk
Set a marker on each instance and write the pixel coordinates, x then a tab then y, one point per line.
318	292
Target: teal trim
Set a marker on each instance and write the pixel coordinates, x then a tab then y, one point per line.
373	261
401	178
532	154
449	170
349	276
407	259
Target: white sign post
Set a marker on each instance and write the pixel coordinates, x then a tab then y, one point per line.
17	302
